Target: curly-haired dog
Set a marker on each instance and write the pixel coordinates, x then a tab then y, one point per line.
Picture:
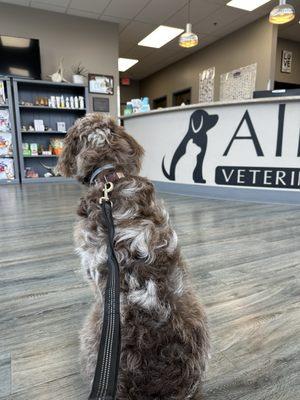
164	329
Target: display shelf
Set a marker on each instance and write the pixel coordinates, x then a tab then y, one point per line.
43	132
9	106
9	181
28	91
42	156
40	83
46	108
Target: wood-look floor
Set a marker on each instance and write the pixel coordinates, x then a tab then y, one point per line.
245	261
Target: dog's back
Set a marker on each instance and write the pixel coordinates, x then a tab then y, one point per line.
164	330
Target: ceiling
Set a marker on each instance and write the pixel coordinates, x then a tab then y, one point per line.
291	31
211	19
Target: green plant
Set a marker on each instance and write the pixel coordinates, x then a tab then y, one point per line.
79	69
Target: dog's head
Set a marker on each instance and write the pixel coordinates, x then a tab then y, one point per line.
201	121
96	140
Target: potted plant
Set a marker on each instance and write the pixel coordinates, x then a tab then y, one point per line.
79	73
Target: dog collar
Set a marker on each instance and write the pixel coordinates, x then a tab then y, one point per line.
98	171
112	176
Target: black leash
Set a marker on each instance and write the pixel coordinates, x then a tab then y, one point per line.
107	368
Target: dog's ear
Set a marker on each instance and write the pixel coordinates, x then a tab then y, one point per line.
213	119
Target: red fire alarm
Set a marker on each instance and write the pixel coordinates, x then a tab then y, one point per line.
125	81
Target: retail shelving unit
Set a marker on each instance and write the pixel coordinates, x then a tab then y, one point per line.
26	92
9	107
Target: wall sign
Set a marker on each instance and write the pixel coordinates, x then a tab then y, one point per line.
286	61
100	104
251	145
101	84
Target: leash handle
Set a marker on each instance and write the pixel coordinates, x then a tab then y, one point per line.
106	374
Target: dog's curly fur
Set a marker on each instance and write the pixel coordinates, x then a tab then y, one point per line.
165	341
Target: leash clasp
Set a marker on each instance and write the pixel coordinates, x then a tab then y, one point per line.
108	187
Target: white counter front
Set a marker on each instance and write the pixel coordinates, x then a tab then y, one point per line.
246	150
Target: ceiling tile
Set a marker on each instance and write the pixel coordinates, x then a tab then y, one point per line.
123	22
158	11
206	40
221	2
62	3
48	7
136	31
125	47
17	2
291	31
96	6
85	14
199	9
220	18
125	8
137	52
170	49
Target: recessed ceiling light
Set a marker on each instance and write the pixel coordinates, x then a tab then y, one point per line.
125	63
160	36
248	5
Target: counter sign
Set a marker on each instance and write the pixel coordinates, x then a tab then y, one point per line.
249	156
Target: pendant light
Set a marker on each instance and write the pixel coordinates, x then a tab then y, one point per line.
188	38
282	13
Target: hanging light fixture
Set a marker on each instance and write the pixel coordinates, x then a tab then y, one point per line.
188	38
282	13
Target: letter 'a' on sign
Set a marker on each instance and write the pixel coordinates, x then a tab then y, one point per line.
246	118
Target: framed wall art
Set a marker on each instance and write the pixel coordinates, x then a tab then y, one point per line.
238	84
207	85
101	84
286	61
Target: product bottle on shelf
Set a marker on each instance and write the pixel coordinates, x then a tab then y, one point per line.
145	104
81	102
76	105
129	108
52	101
58	101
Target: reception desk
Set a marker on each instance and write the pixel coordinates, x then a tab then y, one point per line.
246	150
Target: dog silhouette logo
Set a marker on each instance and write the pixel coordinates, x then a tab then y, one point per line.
200	123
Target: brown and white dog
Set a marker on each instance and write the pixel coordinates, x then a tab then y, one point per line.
165	342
